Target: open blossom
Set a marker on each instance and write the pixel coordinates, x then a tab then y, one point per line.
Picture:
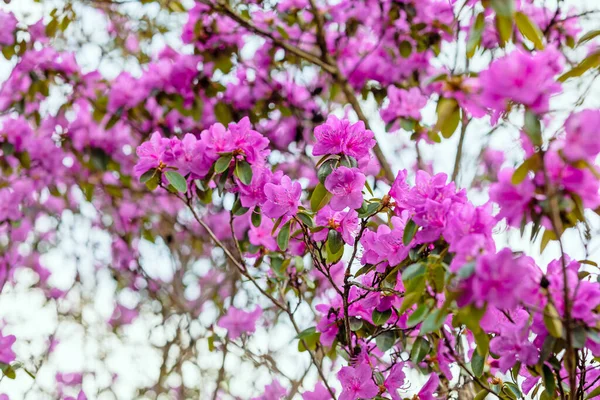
150	154
357	383
526	79
581	141
341	137
346	185
512	345
282	199
403	103
237	321
345	222
504	281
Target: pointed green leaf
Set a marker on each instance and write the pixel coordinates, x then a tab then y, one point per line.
381	317
409	232
177	181
529	29
283	237
320	198
223	163
244	172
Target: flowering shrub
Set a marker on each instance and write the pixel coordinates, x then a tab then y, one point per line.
246	153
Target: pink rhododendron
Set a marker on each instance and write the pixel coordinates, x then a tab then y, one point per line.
357	382
341	137
346	185
237	321
282	199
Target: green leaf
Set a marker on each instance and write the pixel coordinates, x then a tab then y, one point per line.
177	181
503	7
7	148
385	341
483	342
223	163
552	321
409	232
380	317
333	257
146	176
546	238
283	237
153	182
306	219
367	268
448	114
417	316
588	36
591	61
405	49
419	350
409	300
244	172
256	217
481	395
112	121
512	389
325	170
433	322
549	381
413	271
531	164
309	341
320	198
370	209
529	29
533	128
475	35
334	242
504	26
223	113
477	364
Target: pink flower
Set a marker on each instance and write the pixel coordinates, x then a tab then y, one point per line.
344	222
150	154
513	345
357	383
282	199
394	381
403	103
340	137
261	235
526	79
504	281
427	391
346	185
320	393
237	321
7	355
